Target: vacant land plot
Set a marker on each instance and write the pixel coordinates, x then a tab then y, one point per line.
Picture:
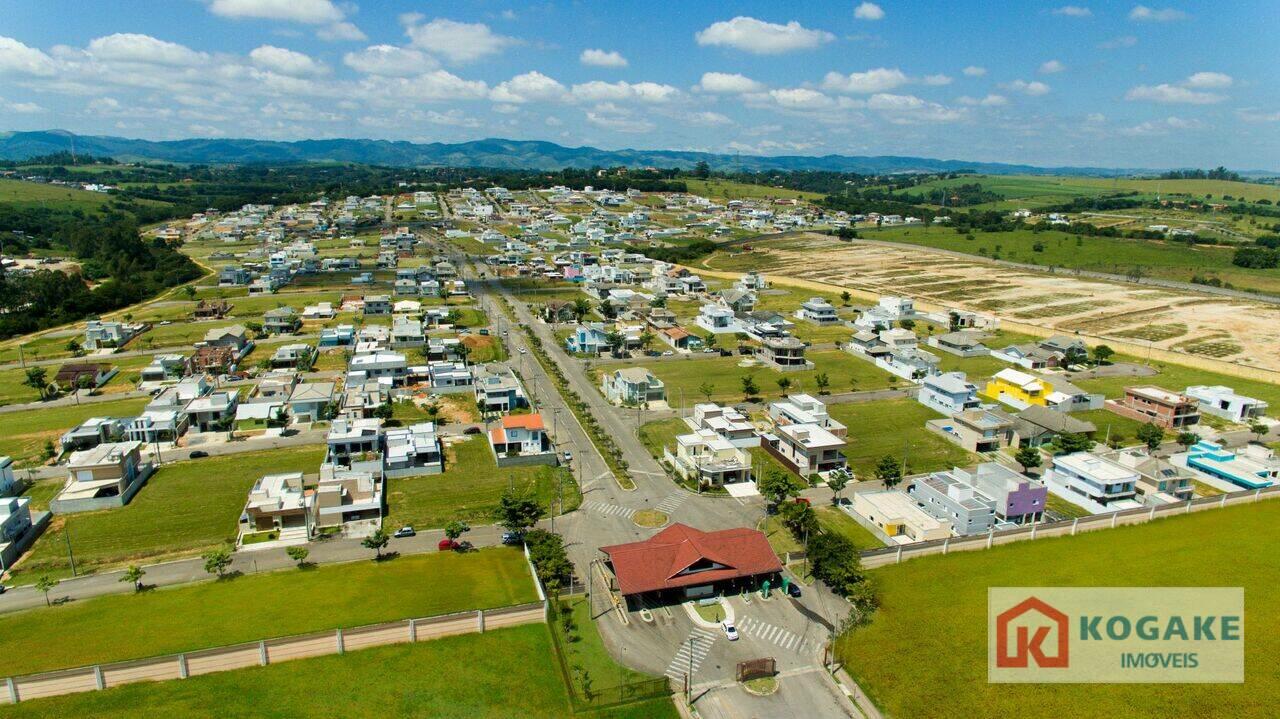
185	508
1178	378
470	487
33	194
895	427
933	620
836	521
23	434
729	190
229	611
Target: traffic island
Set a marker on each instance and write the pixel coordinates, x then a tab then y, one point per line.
761	686
650	518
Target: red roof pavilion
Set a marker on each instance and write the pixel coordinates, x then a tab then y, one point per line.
681	556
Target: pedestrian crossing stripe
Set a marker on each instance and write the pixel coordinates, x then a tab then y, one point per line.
772	634
701	644
671	503
610	510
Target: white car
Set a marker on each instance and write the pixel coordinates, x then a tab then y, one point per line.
524	351
730	631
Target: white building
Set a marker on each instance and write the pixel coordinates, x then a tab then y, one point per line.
1223	402
1093	478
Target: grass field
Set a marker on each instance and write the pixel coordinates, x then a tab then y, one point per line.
23	434
185	508
1177	378
260	606
925	653
1037	191
32	194
835	521
469	489
894	427
476	681
729	190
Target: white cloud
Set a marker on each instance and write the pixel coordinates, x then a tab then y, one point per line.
991	100
1034	88
1142	13
434	86
1051	66
612	117
1073	11
974	71
1209	80
911	109
706	119
1161	127
24	108
799	98
1095	118
309	12
602	58
938	79
728	83
341	31
552	121
458	42
600	91
18	58
1172	94
877	80
529	87
868	11
1118	42
132	47
285	61
389	60
762	38
1249	114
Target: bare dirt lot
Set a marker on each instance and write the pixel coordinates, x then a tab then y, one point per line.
1237	331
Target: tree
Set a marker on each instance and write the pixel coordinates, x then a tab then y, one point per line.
517	510
953	320
549	559
1102	354
1258	429
38	379
1152	435
907	324
1071	442
845	297
616	341
298	555
217	561
823	381
749	386
784	383
580	308
1186	439
1076	355
837	481
133	575
834	560
377	541
1028	457
74	348
800	518
702	170
864	599
776	486
189	291
46	584
456	529
853	384
706	389
384	411
889	471
709	340
646	339
608	310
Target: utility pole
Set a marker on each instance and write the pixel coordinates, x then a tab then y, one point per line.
66	534
688	684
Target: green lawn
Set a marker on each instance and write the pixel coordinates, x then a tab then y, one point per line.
32	194
475	680
469	489
925	652
185	508
260	606
730	190
725	376
587	650
894	427
836	521
23	434
1123	429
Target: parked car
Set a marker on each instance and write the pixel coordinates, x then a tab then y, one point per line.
730	631
198	454
471	430
406	531
794	590
524	351
568	456
511	538
447	544
668	353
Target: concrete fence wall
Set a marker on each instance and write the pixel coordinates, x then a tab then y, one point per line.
267	651
895	555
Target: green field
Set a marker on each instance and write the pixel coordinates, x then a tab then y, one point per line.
261	606
925	653
32	194
1033	191
895	427
836	521
185	508
469	489
729	190
476	681
23	434
1177	378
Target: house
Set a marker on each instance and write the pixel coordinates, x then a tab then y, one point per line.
1166	409
632	386
235	337
898	516
445	377
355	444
817	310
1252	467
1158	479
681	562
92	432
1093	478
165	368
106	335
413	450
212	411
15	521
1016	389
281	321
948	393
498	389
89	375
1018	499
233	277
309	401
805	448
258	412
947	497
112	471
1029	356
1070	348
407	332
588	338
961	344
1223	402
521	439
557	311
340	336
717	319
445	349
7	482
738	300
211	310
802	409
318	311
377	305
783	353
751	281
378	365
213	359
349	498
279	503
1038	425
709	459
977	430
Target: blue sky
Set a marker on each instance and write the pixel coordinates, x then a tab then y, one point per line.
1086	83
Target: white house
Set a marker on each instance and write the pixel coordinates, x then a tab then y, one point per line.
1223	402
948	393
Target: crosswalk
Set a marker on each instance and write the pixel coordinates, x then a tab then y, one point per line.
609	510
671	503
697	644
790	641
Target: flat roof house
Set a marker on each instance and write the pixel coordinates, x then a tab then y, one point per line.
1094	478
92	432
898	516
207	413
498	388
111	471
817	310
1154	404
633	386
1253	467
804	409
413	450
1019	499
708	459
166	367
805	448
351	499
948	393
279	503
950	498
1223	402
783	353
977	430
281	321
727	422
681	562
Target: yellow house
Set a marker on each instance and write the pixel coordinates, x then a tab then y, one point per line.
1018	389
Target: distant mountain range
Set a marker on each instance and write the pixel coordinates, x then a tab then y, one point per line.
494	153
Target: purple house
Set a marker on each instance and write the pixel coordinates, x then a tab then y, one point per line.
1019	499
573	273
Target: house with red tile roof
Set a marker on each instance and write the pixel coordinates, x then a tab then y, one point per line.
521	439
682	562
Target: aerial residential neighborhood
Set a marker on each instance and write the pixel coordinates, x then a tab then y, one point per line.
718	394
